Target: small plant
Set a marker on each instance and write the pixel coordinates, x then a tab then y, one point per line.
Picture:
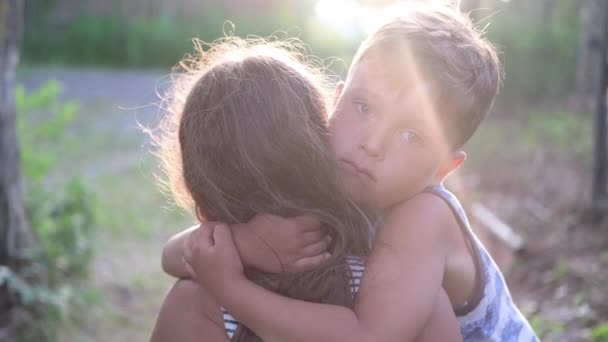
560	270
545	328
600	332
61	216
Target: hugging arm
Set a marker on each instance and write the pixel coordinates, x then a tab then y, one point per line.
397	297
267	243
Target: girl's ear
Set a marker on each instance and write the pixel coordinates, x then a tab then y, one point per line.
338	92
451	164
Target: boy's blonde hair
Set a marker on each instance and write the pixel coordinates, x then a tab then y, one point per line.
458	65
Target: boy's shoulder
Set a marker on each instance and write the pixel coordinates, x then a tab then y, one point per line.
425	205
424	215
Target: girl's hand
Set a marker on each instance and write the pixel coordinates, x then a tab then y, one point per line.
212	258
275	244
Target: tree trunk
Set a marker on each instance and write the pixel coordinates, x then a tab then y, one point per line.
600	175
588	53
15	233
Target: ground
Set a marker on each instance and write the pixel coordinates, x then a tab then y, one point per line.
531	168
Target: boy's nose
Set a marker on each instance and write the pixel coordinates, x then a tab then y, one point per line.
373	145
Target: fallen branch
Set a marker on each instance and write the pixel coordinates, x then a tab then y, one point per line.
496	226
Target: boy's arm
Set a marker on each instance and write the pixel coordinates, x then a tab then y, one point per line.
401	282
268	243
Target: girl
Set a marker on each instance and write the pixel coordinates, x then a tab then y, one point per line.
247	134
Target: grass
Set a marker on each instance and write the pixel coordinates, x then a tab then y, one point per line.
560	270
127	284
131	203
120	300
600	332
515	138
548	329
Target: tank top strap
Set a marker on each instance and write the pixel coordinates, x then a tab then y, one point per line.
452	202
463	222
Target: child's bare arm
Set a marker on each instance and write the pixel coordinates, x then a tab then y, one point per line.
401	283
173	253
268	243
442	325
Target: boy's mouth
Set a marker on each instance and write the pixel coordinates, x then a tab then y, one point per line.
357	169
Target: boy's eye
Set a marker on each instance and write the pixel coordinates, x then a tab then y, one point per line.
412	138
362	108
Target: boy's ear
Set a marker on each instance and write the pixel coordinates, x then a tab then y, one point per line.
338	92
451	164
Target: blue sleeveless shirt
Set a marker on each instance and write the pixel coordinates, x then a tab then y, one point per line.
495	317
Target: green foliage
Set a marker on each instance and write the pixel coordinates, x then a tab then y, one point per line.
558	134
545	328
600	332
539	50
42	122
564	131
560	271
64	223
61	215
154	41
29	294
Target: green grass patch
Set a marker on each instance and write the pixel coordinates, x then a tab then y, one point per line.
516	139
130	202
547	329
600	332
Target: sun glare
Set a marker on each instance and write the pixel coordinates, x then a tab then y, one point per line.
350	18
342	16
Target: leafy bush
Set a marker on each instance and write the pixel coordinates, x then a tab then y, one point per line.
61	217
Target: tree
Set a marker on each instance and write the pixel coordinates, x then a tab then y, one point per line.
591	32
600	175
15	232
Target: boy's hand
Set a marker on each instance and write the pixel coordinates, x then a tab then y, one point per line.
275	244
211	256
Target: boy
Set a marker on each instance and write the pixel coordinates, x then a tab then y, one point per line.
417	90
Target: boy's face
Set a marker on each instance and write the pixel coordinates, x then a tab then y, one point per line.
384	136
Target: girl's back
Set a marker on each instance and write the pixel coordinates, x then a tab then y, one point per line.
247	133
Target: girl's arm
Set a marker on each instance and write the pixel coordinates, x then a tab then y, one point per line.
401	283
173	253
268	243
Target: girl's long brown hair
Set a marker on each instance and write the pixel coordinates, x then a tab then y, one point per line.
246	133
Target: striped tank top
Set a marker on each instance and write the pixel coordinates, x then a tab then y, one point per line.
356	266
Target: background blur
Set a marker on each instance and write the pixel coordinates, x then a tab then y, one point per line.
89	75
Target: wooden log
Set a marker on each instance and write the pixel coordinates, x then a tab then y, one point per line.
498	228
